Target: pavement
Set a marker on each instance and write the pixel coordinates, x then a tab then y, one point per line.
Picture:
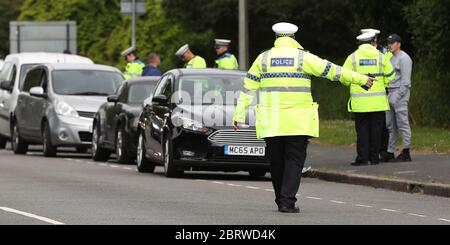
73	190
427	173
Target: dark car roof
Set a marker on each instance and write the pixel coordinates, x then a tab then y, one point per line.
141	80
208	71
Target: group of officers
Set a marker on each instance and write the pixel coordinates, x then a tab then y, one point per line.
287	116
136	67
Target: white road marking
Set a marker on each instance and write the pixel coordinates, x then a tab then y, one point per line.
390	210
103	164
127	168
363	206
445	220
234	185
338	202
113	166
417	215
33	216
314	198
406	172
252	187
68	159
200	180
217	182
269	190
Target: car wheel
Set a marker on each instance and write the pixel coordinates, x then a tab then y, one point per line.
48	149
99	154
169	168
143	164
3	141
257	173
19	146
122	147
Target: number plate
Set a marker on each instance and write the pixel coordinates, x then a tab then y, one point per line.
259	151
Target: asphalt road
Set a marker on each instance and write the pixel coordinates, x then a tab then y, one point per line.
73	190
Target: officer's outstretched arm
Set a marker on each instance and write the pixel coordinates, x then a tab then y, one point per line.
251	86
322	68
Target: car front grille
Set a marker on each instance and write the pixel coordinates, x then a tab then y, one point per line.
86	114
85	136
240	137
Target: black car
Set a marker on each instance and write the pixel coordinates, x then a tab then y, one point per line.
189	126
115	123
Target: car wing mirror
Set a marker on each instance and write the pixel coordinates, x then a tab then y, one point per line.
6	85
37	92
113	98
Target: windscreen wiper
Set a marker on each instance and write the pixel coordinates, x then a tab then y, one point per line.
90	93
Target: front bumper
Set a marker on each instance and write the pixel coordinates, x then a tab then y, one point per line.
69	131
197	152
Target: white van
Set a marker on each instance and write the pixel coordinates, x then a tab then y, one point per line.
12	75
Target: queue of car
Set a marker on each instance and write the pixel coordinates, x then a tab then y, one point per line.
181	121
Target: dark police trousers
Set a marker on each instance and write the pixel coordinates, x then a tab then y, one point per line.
287	155
369	128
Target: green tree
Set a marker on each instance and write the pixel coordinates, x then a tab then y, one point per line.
9	10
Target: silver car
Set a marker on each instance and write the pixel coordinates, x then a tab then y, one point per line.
57	104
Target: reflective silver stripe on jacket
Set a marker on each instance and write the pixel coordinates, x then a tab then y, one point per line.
264	61
337	77
381	64
368	95
300	61
286	89
354	61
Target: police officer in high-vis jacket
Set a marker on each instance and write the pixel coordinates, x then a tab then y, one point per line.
226	60
287	116
135	66
369	105
192	61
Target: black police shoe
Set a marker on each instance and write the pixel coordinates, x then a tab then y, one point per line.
294	210
360	163
387	157
404	156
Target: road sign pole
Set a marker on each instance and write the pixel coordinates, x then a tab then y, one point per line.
133	29
243	35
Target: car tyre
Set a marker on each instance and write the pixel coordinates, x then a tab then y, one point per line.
169	168
48	149
143	164
122	146
99	154
3	142
19	146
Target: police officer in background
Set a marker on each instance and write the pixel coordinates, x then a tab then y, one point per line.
135	66
192	61
226	60
286	116
399	94
369	105
386	52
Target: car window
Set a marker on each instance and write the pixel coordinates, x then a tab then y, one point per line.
44	80
161	86
5	72
23	72
137	93
33	79
13	74
210	89
167	90
86	82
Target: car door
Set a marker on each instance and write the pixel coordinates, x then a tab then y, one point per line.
111	113
152	132
159	116
8	73
24	112
38	105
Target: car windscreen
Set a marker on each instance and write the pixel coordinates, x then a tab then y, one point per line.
86	82
209	89
139	92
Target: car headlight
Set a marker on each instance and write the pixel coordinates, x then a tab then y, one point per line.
193	125
64	109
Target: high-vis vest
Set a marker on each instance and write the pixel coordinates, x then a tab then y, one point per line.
134	69
196	63
369	61
282	77
227	62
